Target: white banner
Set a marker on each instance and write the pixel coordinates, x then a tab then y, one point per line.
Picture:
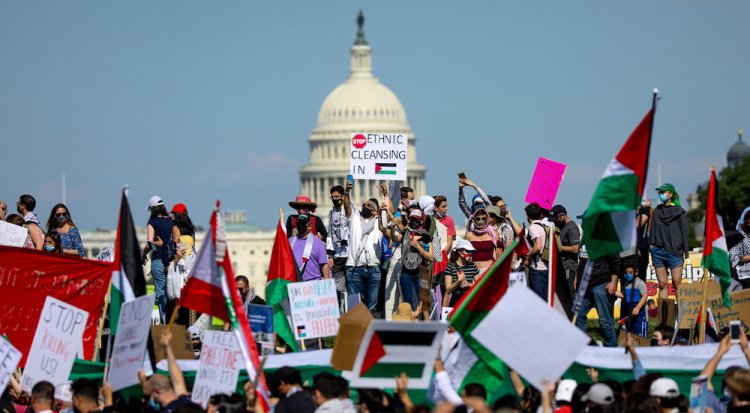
56	341
130	342
218	367
9	358
12	235
378	156
315	308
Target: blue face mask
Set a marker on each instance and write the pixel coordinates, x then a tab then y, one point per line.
153	405
663	197
629	277
49	248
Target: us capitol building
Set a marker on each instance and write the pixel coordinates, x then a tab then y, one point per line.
360	104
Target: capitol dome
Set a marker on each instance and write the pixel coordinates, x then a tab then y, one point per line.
360	104
738	151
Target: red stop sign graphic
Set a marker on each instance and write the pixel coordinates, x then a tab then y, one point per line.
359	141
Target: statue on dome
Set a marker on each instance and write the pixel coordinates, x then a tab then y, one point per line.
360	29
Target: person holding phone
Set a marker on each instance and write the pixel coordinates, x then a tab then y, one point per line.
480	200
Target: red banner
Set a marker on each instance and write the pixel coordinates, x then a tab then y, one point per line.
28	276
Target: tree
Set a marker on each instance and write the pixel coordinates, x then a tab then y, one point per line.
734	194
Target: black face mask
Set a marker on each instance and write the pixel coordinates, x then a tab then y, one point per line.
301	227
415	224
366	213
337	202
654	342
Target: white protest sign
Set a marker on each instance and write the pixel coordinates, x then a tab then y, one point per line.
12	235
517	279
56	340
315	308
446	311
130	342
378	156
218	367
534	339
9	358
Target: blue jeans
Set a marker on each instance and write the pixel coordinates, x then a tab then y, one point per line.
597	297
410	288
538	280
160	285
365	281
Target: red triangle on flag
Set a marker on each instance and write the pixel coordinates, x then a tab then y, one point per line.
375	352
378	167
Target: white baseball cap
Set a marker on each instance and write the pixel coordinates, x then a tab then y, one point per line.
565	390
463	244
154	201
63	392
665	388
599	393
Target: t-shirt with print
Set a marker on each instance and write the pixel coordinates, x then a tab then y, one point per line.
536	230
318	256
569	235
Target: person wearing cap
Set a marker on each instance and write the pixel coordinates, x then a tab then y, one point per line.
417	251
567	244
309	251
184	256
599	398
564	395
667	394
479	200
669	239
404	312
460	273
160	236
304	205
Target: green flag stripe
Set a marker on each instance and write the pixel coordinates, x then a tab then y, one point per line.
390	370
276	293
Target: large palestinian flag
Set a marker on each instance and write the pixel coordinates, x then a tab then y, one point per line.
281	271
609	221
715	252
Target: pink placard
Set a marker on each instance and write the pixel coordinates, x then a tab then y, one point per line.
545	183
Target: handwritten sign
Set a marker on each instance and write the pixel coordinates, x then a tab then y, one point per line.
218	368
722	315
12	235
9	358
690	298
545	182
378	156
56	340
261	324
517	279
130	342
315	309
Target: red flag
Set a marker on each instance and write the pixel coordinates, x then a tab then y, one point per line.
28	276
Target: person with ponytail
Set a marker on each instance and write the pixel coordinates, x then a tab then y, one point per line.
669	239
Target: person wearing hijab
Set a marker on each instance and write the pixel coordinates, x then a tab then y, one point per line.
739	254
669	239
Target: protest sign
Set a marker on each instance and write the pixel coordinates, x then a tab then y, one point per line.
218	368
518	330
545	182
182	345
391	348
53	350
740	309
130	342
690	297
517	279
9	358
699	394
12	235
352	301
445	312
261	324
425	286
28	276
315	308
353	326
378	156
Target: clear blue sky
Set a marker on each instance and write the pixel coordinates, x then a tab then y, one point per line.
198	100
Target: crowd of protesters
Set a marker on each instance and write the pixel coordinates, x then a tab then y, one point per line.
403	256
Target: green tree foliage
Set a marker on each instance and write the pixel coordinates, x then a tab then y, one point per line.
734	194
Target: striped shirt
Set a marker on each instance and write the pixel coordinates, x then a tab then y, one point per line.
470	271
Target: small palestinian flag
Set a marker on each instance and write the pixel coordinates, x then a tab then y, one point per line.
390	348
385	168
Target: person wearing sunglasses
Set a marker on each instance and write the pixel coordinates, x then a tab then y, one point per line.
61	223
483	238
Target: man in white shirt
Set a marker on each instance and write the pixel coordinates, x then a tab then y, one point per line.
363	262
537	234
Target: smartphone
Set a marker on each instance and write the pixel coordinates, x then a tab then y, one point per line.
350	179
735	329
461	175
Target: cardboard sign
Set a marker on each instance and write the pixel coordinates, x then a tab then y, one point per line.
57	339
517	279
353	326
261	324
667	312
390	348
518	330
9	358
315	308
182	346
740	309
378	156
690	297
545	182
219	366
425	286
12	235
130	342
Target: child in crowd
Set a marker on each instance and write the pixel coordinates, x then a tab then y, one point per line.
652	311
633	305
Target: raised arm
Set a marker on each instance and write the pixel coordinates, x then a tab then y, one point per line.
710	369
175	374
347	200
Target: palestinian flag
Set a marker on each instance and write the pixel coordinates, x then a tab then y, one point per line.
385	345
471	310
715	251
128	280
608	223
211	289
385	168
281	271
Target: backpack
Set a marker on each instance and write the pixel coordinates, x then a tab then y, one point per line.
544	255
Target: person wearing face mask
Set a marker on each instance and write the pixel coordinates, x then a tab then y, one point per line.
337	242
416	251
304	205
309	251
52	243
739	254
634	296
482	237
567	244
669	239
365	248
61	223
165	394
460	273
25	207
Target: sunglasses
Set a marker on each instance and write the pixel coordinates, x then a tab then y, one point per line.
61	214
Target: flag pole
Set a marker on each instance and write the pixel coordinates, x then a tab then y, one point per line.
98	342
702	330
